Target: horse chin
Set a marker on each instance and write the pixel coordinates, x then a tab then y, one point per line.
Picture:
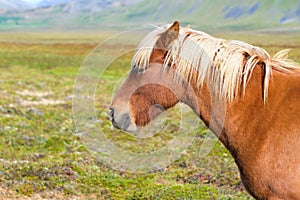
132	128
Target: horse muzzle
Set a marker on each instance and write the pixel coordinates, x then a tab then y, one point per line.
121	121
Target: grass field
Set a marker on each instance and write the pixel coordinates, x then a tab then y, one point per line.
41	157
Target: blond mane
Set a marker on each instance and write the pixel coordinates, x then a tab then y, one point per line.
225	65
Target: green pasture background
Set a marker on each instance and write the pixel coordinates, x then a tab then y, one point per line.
42	157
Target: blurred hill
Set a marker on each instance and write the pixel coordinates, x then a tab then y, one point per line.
14	5
120	14
48	3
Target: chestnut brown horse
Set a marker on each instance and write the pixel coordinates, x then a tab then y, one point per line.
260	124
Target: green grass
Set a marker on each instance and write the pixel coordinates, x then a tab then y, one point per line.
41	157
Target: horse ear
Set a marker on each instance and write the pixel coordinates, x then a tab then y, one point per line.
174	28
168	36
163	42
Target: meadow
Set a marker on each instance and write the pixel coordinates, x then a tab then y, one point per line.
42	157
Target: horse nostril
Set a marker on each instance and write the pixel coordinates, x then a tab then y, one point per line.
111	113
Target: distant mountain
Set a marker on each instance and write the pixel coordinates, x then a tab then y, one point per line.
218	13
49	3
88	6
100	14
75	6
13	5
232	14
85	5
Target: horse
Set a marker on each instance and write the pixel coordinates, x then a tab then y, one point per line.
249	99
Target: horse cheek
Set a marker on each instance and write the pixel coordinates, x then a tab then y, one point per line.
139	107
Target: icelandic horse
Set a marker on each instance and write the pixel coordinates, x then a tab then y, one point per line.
261	123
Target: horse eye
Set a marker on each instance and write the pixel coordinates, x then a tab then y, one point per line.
141	69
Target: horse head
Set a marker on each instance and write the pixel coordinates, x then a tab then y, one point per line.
149	89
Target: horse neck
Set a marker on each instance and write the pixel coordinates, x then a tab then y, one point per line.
243	125
234	123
